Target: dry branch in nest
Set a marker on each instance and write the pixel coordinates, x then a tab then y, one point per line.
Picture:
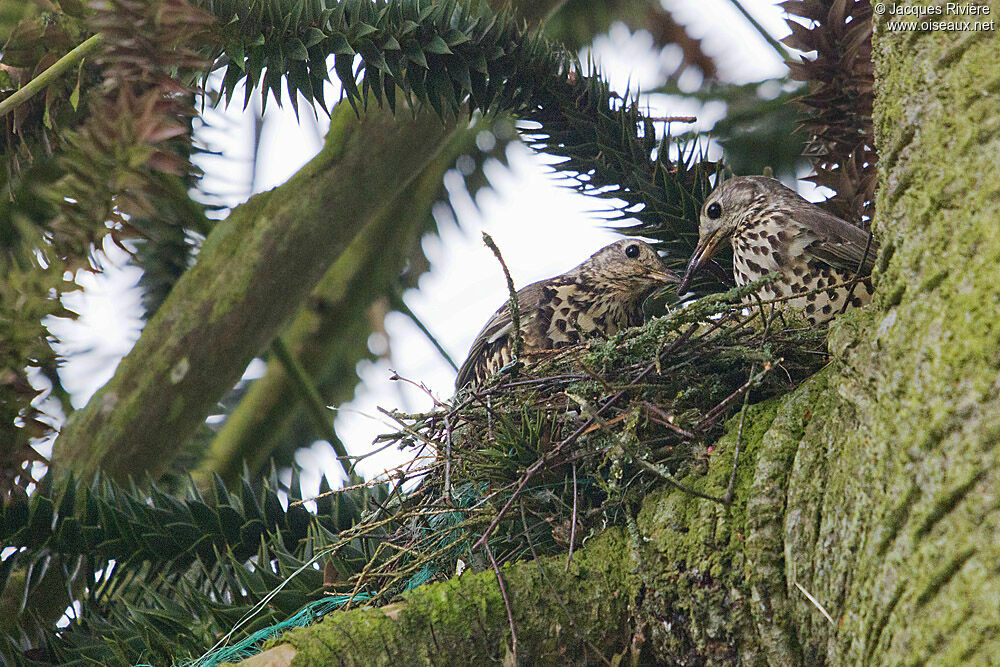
534	463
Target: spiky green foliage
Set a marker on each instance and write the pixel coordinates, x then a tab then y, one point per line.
84	161
839	102
441	52
34	249
453	56
159	576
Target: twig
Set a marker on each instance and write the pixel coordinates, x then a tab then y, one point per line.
53	72
572	529
714	413
513	305
815	603
399	304
416	434
506	601
659	470
396	377
673	119
857	273
334	492
315	405
664	420
728	495
447	456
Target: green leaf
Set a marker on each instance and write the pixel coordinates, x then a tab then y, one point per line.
75	8
297	50
40	522
372	56
455	37
74	97
344	66
414	53
362	30
313	37
337	44
437	45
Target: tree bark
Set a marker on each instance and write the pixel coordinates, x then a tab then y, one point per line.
329	334
867	510
252	275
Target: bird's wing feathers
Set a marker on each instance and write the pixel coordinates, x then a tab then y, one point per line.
836	242
499	327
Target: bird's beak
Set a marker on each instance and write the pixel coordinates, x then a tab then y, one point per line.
665	277
704	252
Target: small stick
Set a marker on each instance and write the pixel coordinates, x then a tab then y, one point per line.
673	119
506	601
728	495
515	311
396	377
447	456
659	470
572	530
815	602
54	71
666	420
717	410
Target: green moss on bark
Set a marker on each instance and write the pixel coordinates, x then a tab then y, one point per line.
560	616
252	274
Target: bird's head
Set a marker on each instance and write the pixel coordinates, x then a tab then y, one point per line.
732	203
629	266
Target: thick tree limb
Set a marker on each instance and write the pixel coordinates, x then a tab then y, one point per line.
253	273
334	315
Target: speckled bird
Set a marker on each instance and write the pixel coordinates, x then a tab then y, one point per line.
774	230
600	297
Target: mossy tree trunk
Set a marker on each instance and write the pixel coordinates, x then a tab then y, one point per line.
866	522
253	273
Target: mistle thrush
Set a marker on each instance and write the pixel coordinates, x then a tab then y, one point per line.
600	297
774	230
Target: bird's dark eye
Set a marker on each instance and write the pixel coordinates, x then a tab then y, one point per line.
632	251
713	211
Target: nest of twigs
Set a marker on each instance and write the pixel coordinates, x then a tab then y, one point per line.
550	453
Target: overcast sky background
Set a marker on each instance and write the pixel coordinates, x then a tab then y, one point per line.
542	229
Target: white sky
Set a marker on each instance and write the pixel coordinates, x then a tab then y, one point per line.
542	229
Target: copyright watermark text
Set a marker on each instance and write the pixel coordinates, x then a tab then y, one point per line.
950	16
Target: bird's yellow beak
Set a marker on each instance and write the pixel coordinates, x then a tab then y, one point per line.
665	277
704	252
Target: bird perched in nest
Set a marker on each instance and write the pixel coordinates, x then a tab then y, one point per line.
774	230
600	297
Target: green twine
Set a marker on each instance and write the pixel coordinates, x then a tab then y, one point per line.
251	644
